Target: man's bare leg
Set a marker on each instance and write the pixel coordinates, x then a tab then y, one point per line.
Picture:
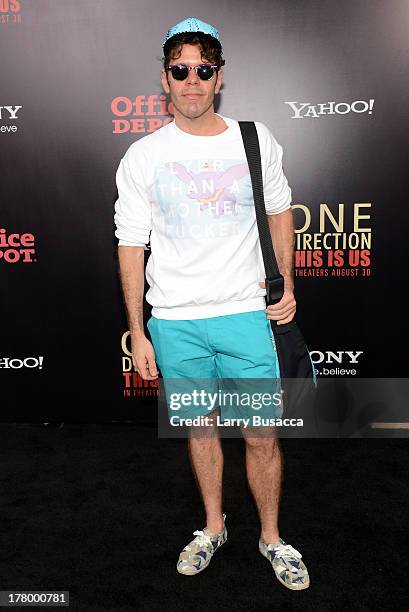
264	464
206	457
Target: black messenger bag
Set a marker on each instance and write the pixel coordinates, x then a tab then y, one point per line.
296	368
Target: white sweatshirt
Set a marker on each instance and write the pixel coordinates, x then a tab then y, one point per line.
192	196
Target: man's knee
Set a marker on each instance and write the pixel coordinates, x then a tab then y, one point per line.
266	444
208	429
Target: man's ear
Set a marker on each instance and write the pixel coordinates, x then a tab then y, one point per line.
164	80
218	81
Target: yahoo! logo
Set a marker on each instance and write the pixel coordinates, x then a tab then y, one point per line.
307	109
16	247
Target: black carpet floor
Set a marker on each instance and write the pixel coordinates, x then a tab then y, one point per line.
102	511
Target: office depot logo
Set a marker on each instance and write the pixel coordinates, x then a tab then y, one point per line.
16	248
142	115
10	11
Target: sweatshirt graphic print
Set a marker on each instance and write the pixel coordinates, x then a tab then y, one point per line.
204	198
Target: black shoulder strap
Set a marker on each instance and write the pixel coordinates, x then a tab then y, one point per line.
274	280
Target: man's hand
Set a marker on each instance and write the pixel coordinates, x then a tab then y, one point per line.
284	310
143	357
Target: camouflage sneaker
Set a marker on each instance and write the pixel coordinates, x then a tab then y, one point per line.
197	555
287	564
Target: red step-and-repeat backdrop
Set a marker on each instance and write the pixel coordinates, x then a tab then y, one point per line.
80	81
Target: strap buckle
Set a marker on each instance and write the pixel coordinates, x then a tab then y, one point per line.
274	289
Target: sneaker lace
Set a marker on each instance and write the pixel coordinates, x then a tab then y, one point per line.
201	539
287	553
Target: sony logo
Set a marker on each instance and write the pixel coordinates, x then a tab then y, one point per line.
9	112
335	356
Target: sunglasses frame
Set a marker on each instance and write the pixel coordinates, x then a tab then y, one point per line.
213	66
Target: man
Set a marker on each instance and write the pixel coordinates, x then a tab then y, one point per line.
187	187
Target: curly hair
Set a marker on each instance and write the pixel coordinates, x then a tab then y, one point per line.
211	49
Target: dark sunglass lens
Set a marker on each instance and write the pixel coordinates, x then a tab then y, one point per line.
205	72
179	72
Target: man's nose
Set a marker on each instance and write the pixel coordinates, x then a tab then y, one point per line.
192	77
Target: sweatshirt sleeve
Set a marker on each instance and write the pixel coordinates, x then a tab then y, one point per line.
133	214
277	192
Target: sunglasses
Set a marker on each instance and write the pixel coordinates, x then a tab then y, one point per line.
204	71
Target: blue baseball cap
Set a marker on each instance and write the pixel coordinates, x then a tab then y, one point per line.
192	24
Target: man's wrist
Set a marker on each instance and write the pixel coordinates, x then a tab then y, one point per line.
137	332
288	284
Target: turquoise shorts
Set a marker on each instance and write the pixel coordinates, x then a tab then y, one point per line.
228	362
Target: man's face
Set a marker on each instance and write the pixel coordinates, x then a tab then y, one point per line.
191	97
